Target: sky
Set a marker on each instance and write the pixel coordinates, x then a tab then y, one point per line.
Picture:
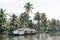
50	7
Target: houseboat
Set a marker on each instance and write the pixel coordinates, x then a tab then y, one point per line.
24	31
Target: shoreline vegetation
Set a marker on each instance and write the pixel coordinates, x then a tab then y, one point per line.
23	21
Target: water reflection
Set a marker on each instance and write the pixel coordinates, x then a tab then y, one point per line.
42	36
1	37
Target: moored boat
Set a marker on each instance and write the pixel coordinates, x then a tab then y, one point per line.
24	31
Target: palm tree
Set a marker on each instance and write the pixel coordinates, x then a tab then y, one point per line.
57	24
2	18
37	17
28	7
48	25
12	20
53	24
30	25
24	18
43	20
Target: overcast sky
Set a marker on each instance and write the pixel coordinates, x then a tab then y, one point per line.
50	7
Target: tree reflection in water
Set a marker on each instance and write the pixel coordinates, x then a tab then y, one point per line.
1	37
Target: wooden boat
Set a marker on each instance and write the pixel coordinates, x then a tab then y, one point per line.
24	31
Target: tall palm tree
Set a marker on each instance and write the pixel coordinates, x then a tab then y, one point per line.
28	7
37	17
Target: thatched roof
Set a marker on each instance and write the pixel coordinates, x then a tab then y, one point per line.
27	29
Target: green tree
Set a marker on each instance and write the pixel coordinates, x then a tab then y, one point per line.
37	17
2	19
43	21
28	7
30	24
57	25
53	24
24	18
48	25
12	20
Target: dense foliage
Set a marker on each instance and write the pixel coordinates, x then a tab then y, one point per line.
23	20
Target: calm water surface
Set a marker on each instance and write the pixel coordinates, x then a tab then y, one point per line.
41	36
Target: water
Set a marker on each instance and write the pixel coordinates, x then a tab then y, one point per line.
41	36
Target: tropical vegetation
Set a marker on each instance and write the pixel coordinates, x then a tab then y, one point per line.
22	21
